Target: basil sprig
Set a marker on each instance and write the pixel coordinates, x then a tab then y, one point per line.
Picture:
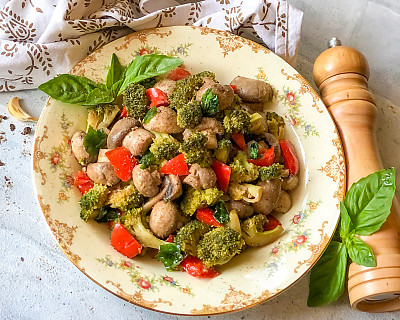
170	255
220	212
94	140
209	103
148	66
363	211
82	91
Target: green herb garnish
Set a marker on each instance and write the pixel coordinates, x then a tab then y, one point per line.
170	255
363	211
94	140
209	103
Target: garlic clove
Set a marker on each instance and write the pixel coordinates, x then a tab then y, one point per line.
17	112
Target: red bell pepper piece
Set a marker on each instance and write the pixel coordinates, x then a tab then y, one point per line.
157	97
176	166
272	223
223	173
178	74
123	113
239	140
124	242
195	267
170	238
83	182
289	156
206	215
123	162
233	87
267	158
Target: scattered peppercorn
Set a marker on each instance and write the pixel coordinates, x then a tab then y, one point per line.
12	126
27	130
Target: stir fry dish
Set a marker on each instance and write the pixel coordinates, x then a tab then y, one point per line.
180	163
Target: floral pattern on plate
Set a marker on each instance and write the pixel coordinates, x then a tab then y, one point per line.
244	281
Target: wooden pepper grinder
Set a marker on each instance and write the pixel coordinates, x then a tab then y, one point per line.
341	74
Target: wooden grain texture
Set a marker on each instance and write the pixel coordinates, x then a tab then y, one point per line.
341	73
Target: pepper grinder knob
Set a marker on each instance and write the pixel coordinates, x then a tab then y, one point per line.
341	74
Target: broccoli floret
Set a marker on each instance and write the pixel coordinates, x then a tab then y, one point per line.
237	121
219	246
253	231
164	147
274	171
189	115
195	150
223	150
185	89
275	124
245	191
194	199
133	222
242	170
101	116
126	198
92	201
189	236
147	160
136	101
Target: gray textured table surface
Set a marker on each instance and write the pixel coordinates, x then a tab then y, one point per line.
38	282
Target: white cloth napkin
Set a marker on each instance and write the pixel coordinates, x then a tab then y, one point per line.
42	38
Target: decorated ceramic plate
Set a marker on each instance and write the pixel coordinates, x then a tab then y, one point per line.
254	276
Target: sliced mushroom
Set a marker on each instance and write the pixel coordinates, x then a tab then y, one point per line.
165	121
173	185
146	181
270	195
201	178
78	149
224	93
138	141
171	189
102	173
119	131
252	90
290	182
274	142
243	209
166	86
164	218
150	204
284	203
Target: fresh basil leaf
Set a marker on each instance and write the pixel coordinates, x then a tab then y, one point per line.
147	66
346	226
150	115
115	87
369	200
327	277
209	103
170	255
360	252
115	72
107	214
98	96
94	140
253	150
69	88
220	212
147	160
